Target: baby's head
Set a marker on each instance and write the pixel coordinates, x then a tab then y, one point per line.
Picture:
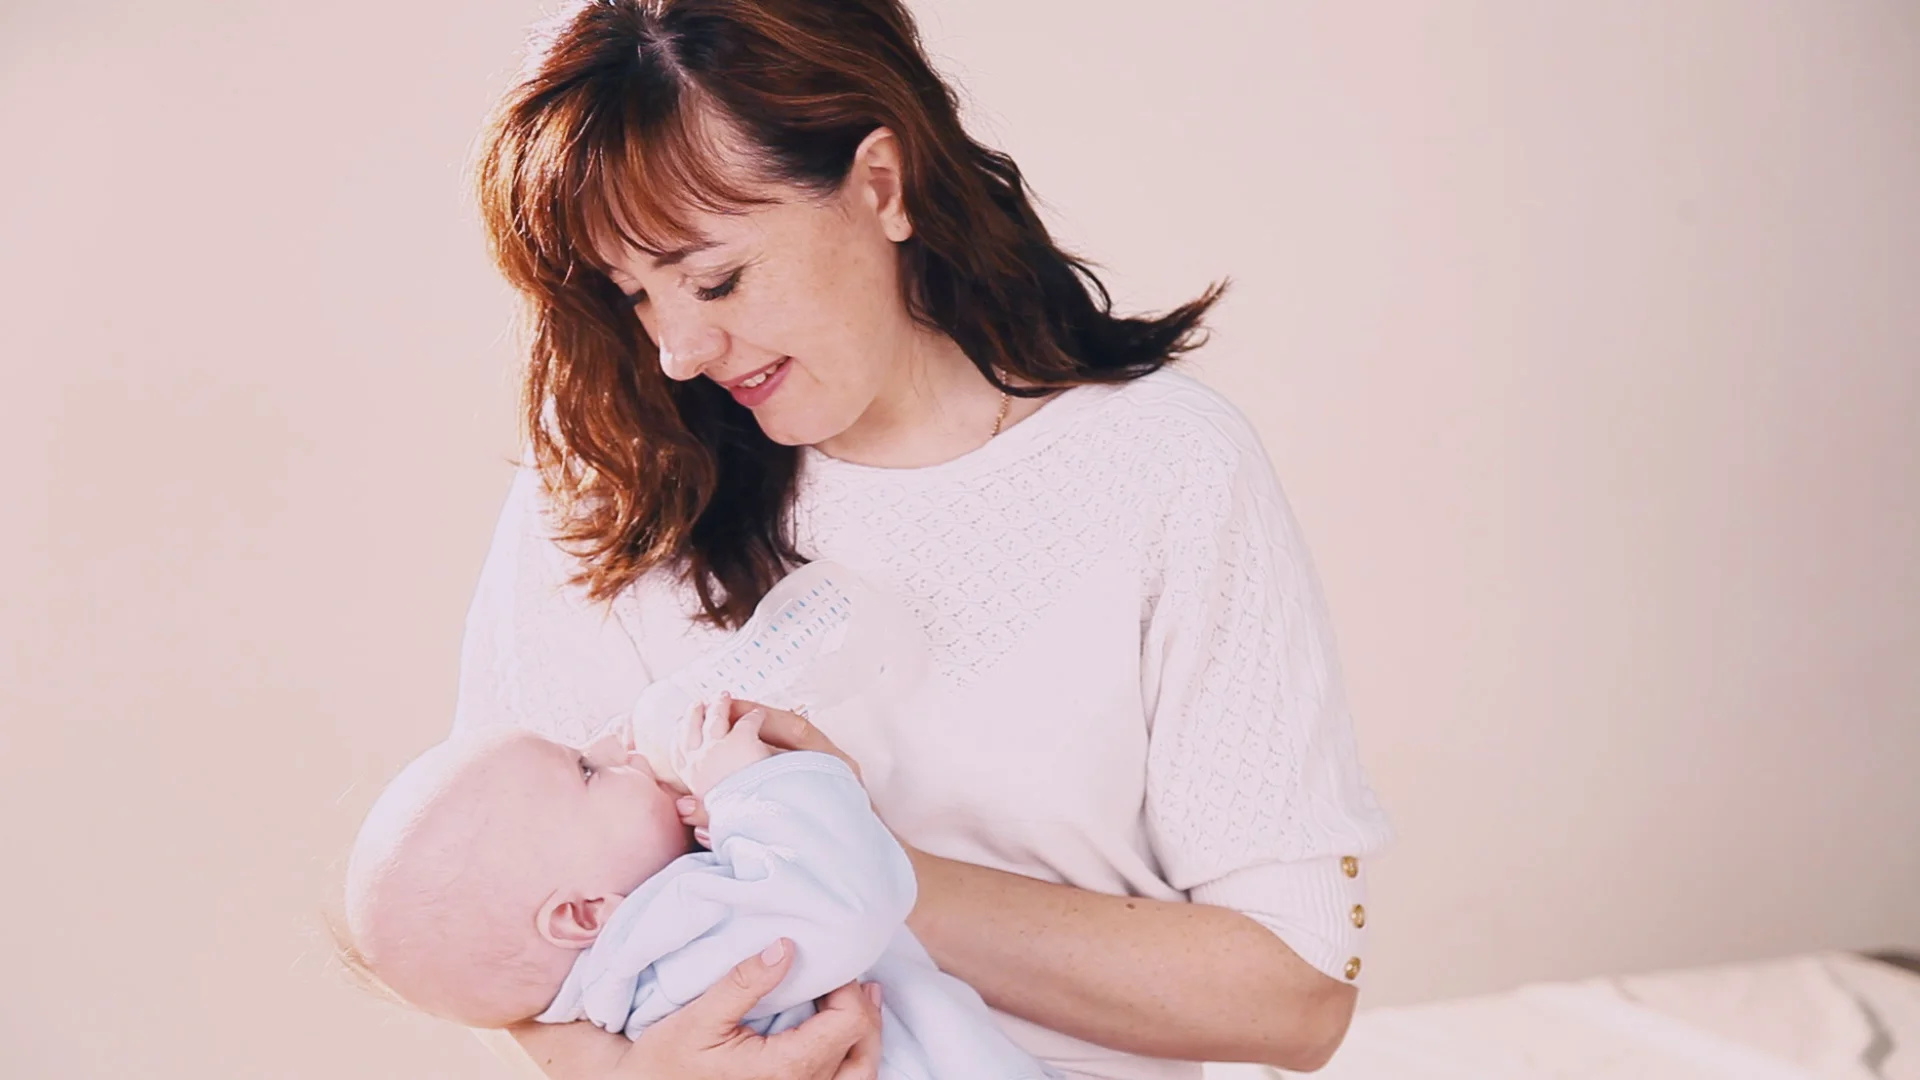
493	859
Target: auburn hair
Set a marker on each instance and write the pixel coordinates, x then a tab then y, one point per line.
611	130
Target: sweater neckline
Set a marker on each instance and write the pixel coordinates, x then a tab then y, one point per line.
1045	424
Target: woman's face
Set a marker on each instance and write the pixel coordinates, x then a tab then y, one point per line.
796	308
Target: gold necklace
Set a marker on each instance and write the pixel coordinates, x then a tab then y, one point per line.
1006	400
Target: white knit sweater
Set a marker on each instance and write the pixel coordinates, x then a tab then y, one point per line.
1133	685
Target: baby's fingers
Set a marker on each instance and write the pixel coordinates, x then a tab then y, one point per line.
719	714
692	727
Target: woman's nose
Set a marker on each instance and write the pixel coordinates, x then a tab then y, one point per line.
687	349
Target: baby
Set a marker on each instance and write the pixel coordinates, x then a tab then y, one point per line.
503	876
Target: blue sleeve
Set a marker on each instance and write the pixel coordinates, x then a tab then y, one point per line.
811	862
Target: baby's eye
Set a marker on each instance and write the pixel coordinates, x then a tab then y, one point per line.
586	769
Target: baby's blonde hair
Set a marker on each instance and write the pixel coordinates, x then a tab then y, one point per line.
513	967
354	962
442	871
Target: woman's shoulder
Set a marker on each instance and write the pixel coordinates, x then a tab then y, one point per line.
1172	412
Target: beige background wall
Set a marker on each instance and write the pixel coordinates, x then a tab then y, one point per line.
1586	337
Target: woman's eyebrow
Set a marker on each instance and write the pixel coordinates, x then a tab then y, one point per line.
665	259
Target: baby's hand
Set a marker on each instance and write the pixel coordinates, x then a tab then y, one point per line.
709	751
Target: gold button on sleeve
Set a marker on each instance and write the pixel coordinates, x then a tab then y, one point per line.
1349	866
1353	969
1359	915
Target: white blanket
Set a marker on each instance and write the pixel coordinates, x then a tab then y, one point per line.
1829	1016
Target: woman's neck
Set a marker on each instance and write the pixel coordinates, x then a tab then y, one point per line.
936	407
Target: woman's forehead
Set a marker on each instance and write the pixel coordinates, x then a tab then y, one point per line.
664	219
705	237
623	253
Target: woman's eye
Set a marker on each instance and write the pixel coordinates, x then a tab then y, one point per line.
586	769
723	289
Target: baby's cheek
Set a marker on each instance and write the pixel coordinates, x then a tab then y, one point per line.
666	834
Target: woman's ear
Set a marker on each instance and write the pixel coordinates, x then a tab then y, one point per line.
878	162
572	921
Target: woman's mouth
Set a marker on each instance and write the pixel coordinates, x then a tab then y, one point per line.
756	380
758	387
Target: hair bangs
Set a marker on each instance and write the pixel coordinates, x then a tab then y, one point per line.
644	177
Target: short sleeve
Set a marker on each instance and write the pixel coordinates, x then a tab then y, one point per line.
537	652
1256	799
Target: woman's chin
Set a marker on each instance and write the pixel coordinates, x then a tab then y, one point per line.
795	431
785	436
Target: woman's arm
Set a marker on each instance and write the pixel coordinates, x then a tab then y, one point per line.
1177	980
1164	979
577	1051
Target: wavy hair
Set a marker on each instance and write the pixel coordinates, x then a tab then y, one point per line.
612	129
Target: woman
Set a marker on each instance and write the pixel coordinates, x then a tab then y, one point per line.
783	308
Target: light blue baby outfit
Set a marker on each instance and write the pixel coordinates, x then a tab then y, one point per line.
797	853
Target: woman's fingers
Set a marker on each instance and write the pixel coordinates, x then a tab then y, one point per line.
786	730
863	1061
791	731
719	1011
751	725
846	1028
705	1038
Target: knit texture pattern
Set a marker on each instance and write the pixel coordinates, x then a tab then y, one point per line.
1224	706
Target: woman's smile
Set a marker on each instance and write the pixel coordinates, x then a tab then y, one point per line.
756	388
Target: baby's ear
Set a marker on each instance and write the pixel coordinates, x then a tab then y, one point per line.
572	921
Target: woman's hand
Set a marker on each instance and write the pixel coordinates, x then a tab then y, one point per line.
704	1039
782	729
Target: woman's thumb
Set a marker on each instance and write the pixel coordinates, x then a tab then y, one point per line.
788	731
728	1001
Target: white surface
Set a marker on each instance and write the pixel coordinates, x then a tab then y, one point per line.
1824	1017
